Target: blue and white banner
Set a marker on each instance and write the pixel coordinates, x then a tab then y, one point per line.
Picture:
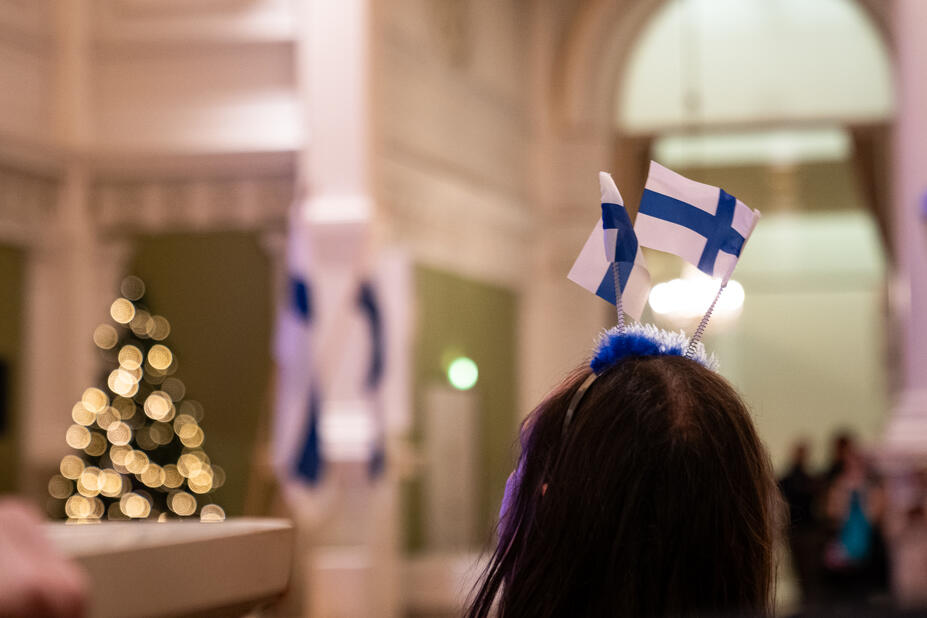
297	445
613	244
702	224
369	304
332	410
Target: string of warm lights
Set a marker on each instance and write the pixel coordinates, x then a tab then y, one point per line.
140	440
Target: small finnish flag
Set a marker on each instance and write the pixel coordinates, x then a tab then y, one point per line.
702	224
613	241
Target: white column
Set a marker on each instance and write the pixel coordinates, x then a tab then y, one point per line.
63	281
907	430
558	320
334	165
344	573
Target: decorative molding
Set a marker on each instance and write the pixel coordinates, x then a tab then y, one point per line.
192	204
175	21
27	204
113	165
148	8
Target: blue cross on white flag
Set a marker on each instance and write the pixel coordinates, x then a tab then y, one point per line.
297	439
701	224
593	268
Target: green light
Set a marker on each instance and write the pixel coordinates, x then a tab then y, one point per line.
462	373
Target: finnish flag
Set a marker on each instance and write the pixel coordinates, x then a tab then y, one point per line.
613	241
297	441
703	225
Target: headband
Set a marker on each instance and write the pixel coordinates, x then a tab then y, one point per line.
702	224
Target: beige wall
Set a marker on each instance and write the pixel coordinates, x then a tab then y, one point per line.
452	163
810	350
450	108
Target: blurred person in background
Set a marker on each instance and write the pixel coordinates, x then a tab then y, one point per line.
842	445
909	559
855	560
801	490
906	532
35	581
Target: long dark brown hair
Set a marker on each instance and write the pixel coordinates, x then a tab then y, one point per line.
657	500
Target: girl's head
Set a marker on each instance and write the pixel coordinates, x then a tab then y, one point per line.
656	499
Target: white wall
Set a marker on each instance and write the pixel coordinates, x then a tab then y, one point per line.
26	70
809	351
755	61
450	107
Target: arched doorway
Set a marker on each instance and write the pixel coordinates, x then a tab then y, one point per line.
772	106
786	105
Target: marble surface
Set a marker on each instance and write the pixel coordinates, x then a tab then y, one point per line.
180	568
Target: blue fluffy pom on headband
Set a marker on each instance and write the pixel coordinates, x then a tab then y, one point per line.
645	340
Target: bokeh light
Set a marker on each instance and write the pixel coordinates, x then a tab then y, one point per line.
181	503
193	409
94	400
174	388
90	482
130	357
212	513
136	461
160	357
112	484
122	382
141	323
161	433
462	373
134	505
191	435
153	475
218	477
688	298
119	433
77	436
158	406
81	415
117	454
132	287
125	408
105	337
122	310
188	465
71	466
160	328
78	507
107	418
144	440
172	477
60	487
97	444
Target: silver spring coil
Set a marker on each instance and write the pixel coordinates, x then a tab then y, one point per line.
697	336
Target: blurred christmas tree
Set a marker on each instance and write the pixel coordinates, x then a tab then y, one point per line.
139	441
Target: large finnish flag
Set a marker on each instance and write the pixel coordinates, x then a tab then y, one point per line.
702	224
613	244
